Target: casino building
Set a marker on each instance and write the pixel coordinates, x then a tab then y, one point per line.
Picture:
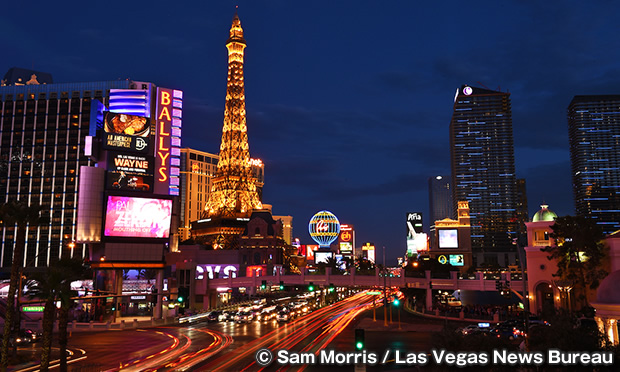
197	171
44	130
103	160
483	171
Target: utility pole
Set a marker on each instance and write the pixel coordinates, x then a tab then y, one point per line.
526	301
385	303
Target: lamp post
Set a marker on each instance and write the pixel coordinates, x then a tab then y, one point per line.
385	303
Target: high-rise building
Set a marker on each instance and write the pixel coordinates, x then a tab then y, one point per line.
197	170
522	212
439	201
287	228
233	196
440	198
42	141
594	137
483	171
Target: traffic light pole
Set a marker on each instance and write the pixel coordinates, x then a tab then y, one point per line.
374	308
385	303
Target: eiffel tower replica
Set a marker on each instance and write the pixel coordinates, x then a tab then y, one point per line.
233	196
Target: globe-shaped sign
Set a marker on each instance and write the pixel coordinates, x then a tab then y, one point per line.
324	228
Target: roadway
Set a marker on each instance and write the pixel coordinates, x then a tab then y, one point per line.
228	346
222	346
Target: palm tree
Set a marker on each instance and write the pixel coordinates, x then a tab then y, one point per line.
55	285
17	214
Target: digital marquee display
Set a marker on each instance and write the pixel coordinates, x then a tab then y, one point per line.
346	247
416	239
134	217
448	238
310	251
322	257
456	260
126	132
130	172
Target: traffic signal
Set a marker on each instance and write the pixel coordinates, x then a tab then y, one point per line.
498	285
263	285
311	287
281	285
396	301
506	290
331	288
183	297
359	339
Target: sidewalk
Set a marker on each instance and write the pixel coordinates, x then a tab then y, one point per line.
130	322
370	325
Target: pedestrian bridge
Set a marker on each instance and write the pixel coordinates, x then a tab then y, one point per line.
478	282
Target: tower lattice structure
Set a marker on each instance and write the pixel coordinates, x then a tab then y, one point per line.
234	193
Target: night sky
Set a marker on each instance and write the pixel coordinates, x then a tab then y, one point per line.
348	102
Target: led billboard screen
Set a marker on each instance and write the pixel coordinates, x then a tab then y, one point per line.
126	132
322	256
310	248
130	172
340	262
416	239
132	217
417	244
448	238
456	260
346	247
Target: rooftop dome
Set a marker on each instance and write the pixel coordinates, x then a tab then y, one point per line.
544	214
607	292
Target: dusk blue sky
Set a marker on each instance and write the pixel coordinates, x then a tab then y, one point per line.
348	102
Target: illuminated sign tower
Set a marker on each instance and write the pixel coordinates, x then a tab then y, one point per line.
324	228
234	188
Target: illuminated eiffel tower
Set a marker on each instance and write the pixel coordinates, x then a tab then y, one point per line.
233	195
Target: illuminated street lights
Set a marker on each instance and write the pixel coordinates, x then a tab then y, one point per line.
565	286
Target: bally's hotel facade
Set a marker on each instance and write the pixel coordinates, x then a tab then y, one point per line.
46	131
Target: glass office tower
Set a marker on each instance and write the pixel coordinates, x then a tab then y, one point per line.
483	171
594	137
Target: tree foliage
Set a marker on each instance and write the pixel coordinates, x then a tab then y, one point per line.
579	251
18	215
51	286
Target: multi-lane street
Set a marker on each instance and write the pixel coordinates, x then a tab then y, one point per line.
223	346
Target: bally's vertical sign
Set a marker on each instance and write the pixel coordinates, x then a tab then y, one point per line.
168	139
